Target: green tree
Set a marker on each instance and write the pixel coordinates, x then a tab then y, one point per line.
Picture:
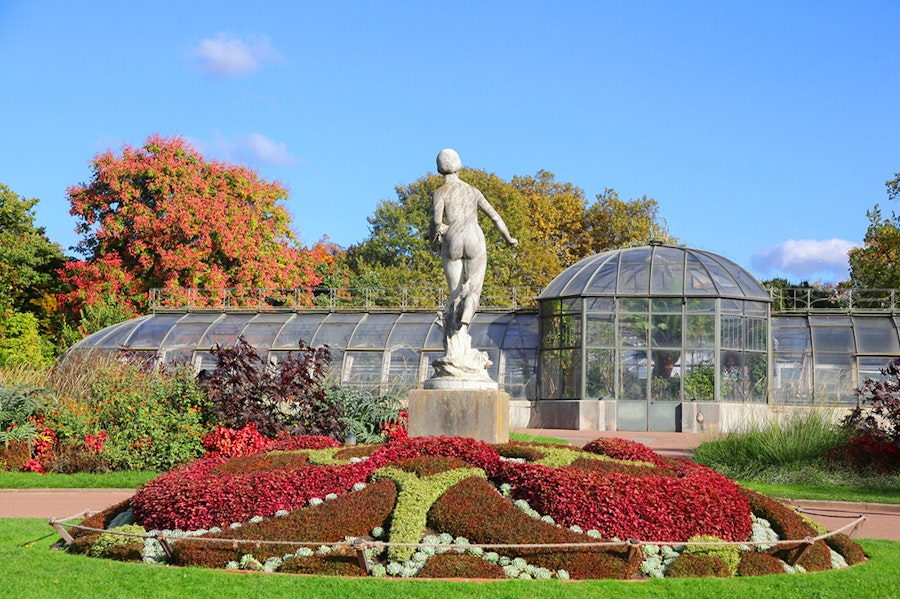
161	215
28	260
876	265
551	219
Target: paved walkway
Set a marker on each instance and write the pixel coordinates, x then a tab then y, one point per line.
883	521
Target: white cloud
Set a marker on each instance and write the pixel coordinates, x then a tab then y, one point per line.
805	259
254	148
230	56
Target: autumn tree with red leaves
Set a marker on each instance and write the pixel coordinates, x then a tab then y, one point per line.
163	216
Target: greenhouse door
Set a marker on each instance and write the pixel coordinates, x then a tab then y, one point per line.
646	403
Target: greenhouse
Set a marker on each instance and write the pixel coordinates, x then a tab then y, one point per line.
652	338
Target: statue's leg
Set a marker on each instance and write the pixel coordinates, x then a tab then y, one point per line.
453	270
476	267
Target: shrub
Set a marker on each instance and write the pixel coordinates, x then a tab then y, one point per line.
292	395
688	565
84	539
757	563
263	462
848	548
867	453
297	442
71	456
154	419
459	565
477	453
341	563
877	413
516	450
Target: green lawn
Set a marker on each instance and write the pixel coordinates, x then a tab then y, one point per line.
83	480
32	569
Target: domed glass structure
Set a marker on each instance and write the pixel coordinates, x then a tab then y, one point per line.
646	329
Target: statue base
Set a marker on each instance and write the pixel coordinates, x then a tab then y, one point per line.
481	414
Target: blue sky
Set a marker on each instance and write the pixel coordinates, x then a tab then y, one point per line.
765	130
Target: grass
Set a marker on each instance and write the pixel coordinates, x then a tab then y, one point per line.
82	480
528	438
827	492
31	569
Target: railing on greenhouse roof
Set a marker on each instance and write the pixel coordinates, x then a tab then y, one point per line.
370	299
833	299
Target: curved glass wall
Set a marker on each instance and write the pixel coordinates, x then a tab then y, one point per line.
655	324
380	351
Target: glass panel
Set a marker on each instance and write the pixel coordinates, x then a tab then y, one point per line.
731	306
666	305
751	286
601	330
362	369
605	279
302	327
756	308
262	330
722	278
579	282
403	370
697	279
634	304
570	331
633	330
668	271
732	332
756	334
372	332
744	376
599	304
701	331
336	329
696	304
488	330
188	333
665	330
179	355
560	374
225	331
115	336
520	374
870	367
151	332
634	271
792	374
550	332
666	382
876	335
833	339
733	375
411	330
435	338
633	374
700	376
522	333
601	368
787	338
834	382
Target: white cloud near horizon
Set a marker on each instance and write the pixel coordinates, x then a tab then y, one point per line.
230	56
806	258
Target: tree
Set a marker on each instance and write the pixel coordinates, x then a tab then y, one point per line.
28	260
614	223
876	265
551	219
163	216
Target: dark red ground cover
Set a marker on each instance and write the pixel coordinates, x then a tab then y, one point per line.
353	515
476	453
473	509
660	508
623	449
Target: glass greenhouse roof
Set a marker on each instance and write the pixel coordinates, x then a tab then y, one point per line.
656	270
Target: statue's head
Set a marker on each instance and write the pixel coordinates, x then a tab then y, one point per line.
448	162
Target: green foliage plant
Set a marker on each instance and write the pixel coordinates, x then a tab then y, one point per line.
364	414
106	541
729	554
154	419
417	495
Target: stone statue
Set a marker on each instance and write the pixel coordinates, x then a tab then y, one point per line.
455	228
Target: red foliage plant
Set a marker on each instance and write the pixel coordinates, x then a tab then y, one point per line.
624	449
354	515
228	442
656	508
476	453
161	215
474	510
867	453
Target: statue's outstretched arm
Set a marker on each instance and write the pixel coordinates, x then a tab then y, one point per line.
497	220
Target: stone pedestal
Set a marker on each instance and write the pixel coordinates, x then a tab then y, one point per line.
481	414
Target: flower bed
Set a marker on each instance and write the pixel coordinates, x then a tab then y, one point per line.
295	505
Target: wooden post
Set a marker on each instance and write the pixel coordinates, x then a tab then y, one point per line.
360	545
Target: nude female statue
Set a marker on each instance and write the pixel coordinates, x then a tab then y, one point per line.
463	252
